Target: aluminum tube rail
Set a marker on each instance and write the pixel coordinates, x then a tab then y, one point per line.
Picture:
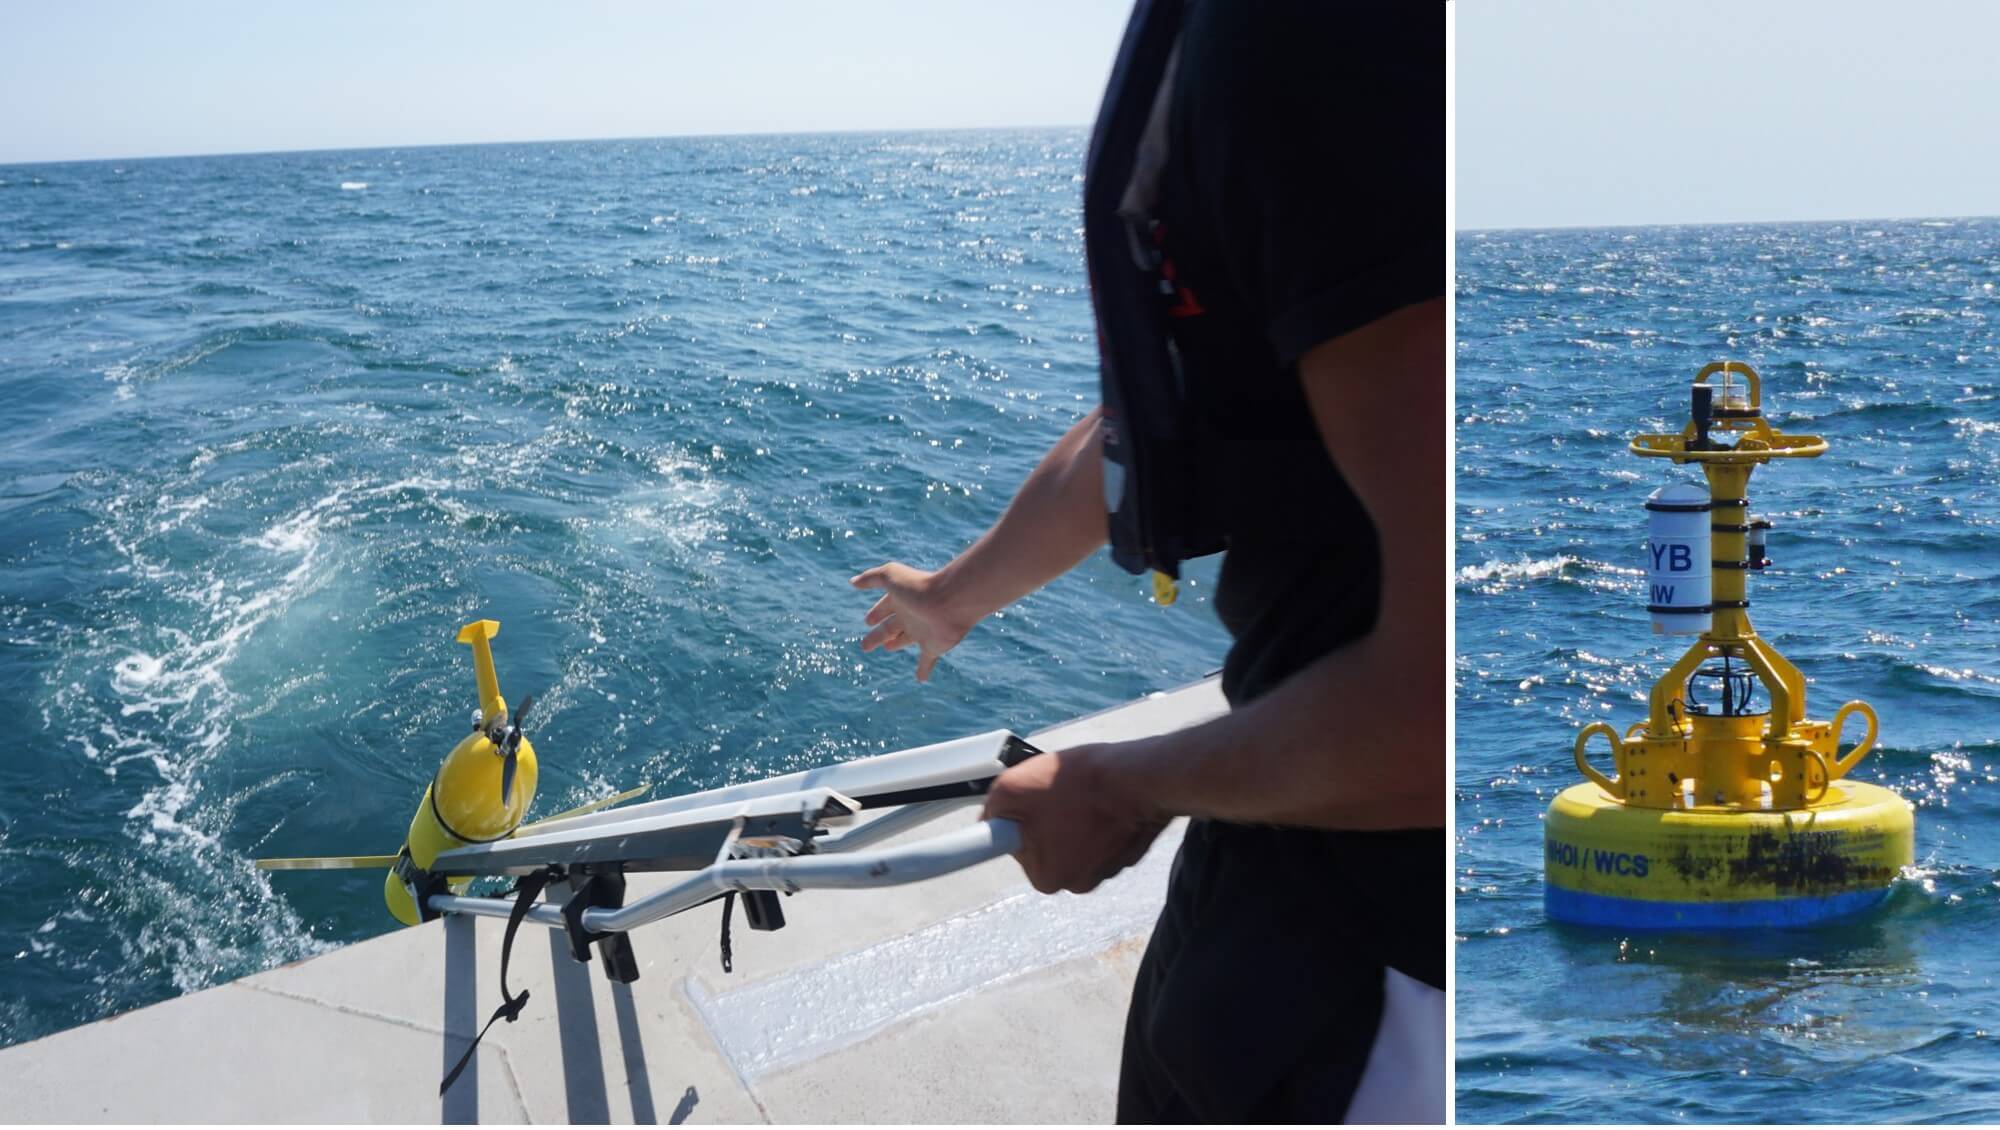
685	840
542	913
894	823
957	762
929	859
940	855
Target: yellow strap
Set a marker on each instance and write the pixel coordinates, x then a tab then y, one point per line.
326	863
1165	589
585	809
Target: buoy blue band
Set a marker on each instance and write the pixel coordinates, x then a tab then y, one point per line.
1585	909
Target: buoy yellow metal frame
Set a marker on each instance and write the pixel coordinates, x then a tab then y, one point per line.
1716	819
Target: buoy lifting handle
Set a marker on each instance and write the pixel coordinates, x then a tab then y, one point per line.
1748	374
1842	765
1615	787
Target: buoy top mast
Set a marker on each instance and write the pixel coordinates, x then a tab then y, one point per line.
1707	742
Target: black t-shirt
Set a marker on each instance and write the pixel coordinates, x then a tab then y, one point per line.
1303	198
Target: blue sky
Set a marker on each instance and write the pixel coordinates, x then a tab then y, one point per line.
1590	112
89	79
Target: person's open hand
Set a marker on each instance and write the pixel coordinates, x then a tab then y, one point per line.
1077	828
913	610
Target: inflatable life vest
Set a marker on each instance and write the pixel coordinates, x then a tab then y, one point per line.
1150	449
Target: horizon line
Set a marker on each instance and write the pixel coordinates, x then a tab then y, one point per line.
1920	218
534	141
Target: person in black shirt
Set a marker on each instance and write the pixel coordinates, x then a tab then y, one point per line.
1296	972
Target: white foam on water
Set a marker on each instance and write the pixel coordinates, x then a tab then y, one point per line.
136	672
137	370
296	534
682	509
1523	570
207	455
172	713
677	515
353	185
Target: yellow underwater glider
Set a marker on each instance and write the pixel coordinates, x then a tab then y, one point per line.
480	795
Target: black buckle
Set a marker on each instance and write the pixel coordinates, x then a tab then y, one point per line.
421	883
600	889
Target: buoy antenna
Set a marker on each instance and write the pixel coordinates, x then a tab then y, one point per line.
1704	417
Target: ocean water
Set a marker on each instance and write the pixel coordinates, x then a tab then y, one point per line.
1883	337
273	427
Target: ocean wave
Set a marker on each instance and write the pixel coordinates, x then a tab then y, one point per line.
1497	575
1963	676
1881	413
1522	570
159	363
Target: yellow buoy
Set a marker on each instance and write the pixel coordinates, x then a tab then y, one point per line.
1721	810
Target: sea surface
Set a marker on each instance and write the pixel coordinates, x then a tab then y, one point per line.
273	427
1883	337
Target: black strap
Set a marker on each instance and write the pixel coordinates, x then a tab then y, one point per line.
728	904
438	815
527	891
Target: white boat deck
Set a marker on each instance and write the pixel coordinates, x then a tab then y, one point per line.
968	999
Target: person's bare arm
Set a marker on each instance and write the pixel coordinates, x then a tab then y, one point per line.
1055	520
1356	740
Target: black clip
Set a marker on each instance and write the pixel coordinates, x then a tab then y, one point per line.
760	907
422	884
604	889
762	910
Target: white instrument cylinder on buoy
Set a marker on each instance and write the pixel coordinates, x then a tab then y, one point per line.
1677	559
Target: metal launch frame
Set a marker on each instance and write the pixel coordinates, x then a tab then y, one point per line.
754	839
